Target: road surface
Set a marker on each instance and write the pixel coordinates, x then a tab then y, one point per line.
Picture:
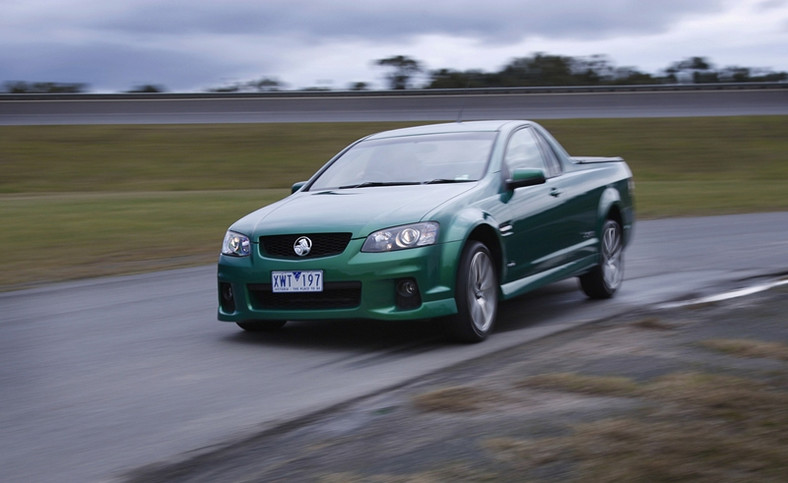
405	107
98	377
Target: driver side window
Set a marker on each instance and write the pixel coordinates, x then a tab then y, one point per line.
523	152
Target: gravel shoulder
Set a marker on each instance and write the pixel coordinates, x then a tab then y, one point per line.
692	393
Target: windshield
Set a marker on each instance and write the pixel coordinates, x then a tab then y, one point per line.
424	159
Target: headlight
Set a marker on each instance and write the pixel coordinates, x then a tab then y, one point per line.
236	245
402	237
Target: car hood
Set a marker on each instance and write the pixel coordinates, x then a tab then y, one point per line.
359	211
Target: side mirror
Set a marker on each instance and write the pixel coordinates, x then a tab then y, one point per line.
297	186
522	177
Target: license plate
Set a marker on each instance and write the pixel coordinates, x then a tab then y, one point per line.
297	281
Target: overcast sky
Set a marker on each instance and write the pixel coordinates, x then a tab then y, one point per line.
195	45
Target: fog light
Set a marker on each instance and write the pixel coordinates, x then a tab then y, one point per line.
407	288
408	296
226	297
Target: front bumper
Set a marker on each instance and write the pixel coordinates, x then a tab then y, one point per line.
356	285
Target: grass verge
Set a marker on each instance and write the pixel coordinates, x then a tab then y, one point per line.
702	427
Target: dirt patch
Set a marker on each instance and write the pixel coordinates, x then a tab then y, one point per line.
695	394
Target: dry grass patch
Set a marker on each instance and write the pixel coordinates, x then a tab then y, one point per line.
703	427
596	385
527	454
673	449
653	323
457	399
749	348
453	472
722	396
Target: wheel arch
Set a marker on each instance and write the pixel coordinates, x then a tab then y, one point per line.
488	236
477	300
610	208
475	224
614	213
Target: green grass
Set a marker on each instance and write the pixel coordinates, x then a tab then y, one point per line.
198	157
81	201
48	237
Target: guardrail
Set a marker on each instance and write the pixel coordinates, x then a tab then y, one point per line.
406	92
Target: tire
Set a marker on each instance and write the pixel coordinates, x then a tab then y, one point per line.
603	281
261	325
476	294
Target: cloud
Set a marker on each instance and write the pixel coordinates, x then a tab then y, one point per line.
196	44
112	67
384	21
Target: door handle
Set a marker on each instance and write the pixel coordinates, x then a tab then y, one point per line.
555	192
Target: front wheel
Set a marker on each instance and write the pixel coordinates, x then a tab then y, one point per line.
261	325
603	281
476	294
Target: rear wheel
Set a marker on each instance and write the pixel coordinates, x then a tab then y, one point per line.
603	281
261	325
476	294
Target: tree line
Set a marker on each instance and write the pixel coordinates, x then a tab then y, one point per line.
556	70
539	69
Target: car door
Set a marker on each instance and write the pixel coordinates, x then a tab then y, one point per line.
534	230
577	209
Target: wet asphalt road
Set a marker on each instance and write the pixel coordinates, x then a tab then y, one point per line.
101	376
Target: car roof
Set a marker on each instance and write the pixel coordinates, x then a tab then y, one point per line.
453	127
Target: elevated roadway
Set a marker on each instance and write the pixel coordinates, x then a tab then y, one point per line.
425	105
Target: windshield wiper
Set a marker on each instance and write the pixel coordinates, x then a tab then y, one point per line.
446	180
368	184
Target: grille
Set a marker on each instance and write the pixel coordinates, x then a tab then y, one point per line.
323	245
335	295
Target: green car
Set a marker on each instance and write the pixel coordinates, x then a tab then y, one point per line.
437	221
